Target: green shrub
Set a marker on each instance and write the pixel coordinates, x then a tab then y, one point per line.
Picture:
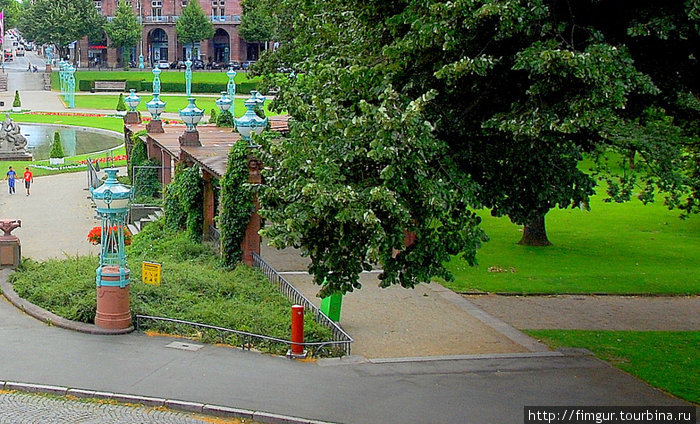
16	102
56	147
121	105
85	85
214	114
183	202
225	119
138	153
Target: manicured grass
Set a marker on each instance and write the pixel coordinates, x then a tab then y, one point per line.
194	288
665	359
107	123
614	248
170	75
108	102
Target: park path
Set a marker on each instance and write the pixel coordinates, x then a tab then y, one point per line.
640	313
56	217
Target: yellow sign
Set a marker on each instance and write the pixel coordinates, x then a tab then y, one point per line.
150	273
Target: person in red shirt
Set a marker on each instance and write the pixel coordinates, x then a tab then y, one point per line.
28	179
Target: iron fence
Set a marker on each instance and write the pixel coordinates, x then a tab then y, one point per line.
245	339
339	335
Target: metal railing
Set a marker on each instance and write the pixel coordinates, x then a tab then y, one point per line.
214	234
247	340
295	296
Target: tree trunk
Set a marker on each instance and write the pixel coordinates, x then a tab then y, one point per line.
535	233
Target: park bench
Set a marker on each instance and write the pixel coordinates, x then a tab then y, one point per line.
110	86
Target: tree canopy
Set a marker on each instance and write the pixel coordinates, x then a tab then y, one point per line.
12	10
124	30
408	115
193	25
60	22
258	23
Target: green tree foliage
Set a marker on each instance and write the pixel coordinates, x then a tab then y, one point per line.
16	102
121	105
138	154
407	114
236	204
60	22
193	25
183	201
56	147
124	30
213	115
12	11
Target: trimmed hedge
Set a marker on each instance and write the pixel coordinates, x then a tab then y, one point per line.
174	87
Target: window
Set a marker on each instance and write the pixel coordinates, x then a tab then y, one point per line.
98	4
156	12
184	3
156	3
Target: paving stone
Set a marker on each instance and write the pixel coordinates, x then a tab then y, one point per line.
21	408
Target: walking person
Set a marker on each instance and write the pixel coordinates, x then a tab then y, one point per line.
28	179
11	175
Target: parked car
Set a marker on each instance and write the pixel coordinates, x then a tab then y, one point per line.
234	64
247	64
214	65
163	64
197	64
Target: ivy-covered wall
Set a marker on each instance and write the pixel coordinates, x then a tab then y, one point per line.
236	204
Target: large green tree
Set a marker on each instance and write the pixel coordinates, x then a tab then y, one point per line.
60	22
12	10
408	114
124	31
259	21
193	25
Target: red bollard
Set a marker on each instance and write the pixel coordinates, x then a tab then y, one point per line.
297	330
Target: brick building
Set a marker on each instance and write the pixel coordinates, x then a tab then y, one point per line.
158	38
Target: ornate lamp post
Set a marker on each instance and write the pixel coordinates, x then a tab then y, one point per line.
231	86
70	82
190	115
188	77
155	106
132	100
224	102
112	200
250	123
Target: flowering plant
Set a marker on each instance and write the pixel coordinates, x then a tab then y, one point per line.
95	235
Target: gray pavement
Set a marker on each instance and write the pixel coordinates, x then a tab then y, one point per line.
481	389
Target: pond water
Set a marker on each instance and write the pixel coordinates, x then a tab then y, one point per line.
74	141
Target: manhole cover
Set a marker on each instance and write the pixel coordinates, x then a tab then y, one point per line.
185	346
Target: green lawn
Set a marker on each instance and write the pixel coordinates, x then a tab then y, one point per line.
170	75
108	102
614	248
668	360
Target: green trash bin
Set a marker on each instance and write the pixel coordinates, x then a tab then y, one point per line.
331	306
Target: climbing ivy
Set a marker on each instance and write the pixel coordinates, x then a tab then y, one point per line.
183	201
236	204
146	184
138	154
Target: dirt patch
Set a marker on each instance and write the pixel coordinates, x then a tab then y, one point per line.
593	312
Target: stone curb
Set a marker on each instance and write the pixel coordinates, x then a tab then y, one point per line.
174	404
49	317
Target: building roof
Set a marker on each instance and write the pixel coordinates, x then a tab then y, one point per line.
216	142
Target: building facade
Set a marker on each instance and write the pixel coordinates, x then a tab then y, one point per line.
159	40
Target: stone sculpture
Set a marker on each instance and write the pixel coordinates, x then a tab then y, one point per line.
12	142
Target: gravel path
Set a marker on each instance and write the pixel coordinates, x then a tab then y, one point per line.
594	312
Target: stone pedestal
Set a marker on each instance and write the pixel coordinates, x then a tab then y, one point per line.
189	139
10	247
155	126
113	311
132	118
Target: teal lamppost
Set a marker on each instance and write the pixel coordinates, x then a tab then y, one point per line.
190	115
231	86
70	82
224	103
250	123
188	77
132	100
155	107
141	65
112	200
156	80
